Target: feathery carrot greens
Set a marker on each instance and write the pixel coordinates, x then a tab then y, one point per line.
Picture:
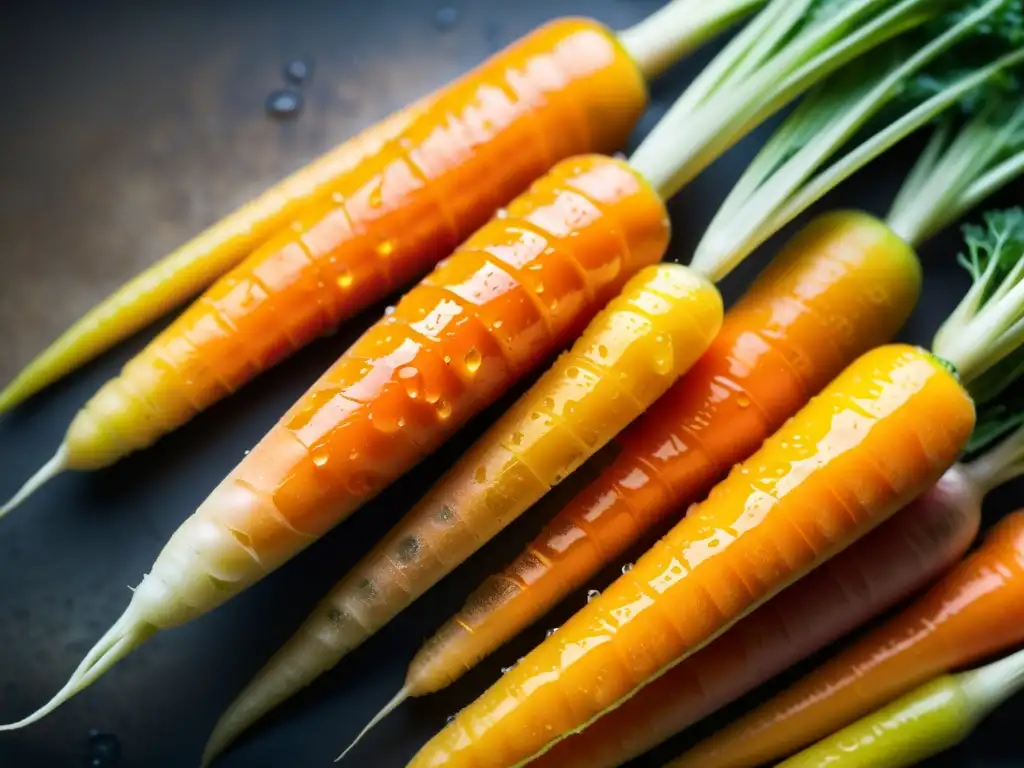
862	111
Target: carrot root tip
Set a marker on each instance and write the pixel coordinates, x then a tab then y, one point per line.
44	474
390	707
126	635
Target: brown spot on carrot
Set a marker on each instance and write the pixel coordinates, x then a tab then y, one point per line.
408	549
445	514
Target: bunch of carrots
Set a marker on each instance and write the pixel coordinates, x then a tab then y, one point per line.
811	473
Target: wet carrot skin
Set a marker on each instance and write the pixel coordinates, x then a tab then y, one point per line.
844	271
567	88
974	612
414	378
902	555
812	489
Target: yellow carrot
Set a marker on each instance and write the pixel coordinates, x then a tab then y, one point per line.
875	438
630	354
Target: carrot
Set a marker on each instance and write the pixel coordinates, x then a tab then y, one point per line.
766	362
722	411
925	722
984	339
813	488
903	555
569	87
975	611
514	293
628	356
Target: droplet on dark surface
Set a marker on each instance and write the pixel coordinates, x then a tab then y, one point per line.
284	104
445	17
298	71
104	750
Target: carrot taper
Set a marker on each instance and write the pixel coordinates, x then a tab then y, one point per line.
629	355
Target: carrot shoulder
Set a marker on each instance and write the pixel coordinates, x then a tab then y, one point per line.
975	611
816	485
844	277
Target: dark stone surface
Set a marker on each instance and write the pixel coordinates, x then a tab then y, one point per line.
127	128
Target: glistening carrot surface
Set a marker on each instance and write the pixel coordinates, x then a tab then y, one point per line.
564	89
629	355
814	487
200	261
519	289
977	610
846	278
904	554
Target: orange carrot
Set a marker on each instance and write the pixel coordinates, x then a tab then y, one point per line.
976	611
813	488
629	355
845	277
903	555
567	88
520	288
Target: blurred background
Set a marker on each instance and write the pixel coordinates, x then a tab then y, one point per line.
129	127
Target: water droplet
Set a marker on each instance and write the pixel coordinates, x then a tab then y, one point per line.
473	360
573	372
353	454
410	378
450	720
344	279
517	438
388	311
385	247
506	670
498	324
447	359
602	350
550	632
444	409
593	594
743	401
539	289
480	475
297	71
320	456
246	452
445	18
501	213
548	404
627	568
284	104
103	749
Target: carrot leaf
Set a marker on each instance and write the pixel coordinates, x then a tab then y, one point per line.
857	114
984	336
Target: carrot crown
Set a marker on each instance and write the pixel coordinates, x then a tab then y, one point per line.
785	50
857	114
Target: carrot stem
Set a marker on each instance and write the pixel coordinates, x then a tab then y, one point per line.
778	56
668	34
998	466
